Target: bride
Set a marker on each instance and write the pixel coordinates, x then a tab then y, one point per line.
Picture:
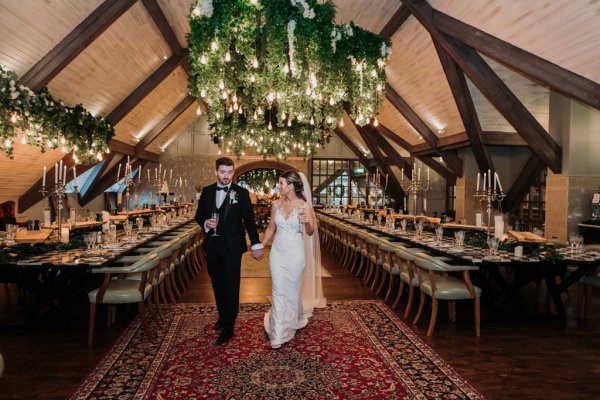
294	261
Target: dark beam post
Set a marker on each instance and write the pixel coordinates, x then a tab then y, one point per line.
75	43
559	79
83	197
395	22
529	175
363	160
163	24
466	108
451	159
486	80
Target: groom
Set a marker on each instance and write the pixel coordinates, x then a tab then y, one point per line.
224	251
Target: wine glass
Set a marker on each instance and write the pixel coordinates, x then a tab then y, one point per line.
140	223
128	227
403	225
371	218
11	233
573	241
439	232
379	219
215	216
300	212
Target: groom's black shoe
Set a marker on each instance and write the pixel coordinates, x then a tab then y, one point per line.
218	326
224	337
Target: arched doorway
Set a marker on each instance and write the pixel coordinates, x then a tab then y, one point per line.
242	169
260	178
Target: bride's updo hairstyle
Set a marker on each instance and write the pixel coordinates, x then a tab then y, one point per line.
293	178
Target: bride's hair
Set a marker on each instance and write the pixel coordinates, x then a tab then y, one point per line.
293	178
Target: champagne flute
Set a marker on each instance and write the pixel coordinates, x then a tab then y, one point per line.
215	216
300	211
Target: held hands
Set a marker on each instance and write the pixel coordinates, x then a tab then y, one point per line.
257	254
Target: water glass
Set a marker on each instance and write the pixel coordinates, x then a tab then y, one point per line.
379	219
90	240
128	228
403	225
112	232
11	233
460	239
439	232
140	223
493	245
371	218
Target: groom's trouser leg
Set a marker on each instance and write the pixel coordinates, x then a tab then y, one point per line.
231	288
214	266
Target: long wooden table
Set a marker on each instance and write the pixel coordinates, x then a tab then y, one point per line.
524	270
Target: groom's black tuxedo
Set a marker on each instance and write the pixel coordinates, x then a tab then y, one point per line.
224	252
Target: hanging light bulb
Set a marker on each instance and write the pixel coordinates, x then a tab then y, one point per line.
375	122
308	91
289	123
76	148
203	93
227	56
312	120
203	59
286	68
235	106
254	63
23	139
331	101
13	118
240	110
99	156
341	122
8	143
283	115
270	127
221	85
230	109
224	95
198	111
235	99
214	46
63	149
252	78
255	116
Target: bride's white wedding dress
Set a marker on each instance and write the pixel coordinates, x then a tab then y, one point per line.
286	262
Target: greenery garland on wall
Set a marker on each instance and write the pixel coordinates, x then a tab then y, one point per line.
278	74
47	123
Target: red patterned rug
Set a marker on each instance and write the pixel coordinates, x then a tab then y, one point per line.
350	350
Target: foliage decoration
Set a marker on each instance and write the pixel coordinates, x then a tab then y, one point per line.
277	75
47	123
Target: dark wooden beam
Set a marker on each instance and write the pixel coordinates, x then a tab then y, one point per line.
389	150
108	179
33	195
353	148
74	43
439	169
163	25
461	140
146	87
83	196
451	159
394	188
493	88
387	132
557	78
530	175
116	146
466	108
164	124
395	22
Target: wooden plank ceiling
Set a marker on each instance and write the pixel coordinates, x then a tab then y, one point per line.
133	69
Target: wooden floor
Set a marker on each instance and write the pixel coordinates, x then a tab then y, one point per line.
526	359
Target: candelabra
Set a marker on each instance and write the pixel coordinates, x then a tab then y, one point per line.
416	186
58	191
377	187
489	194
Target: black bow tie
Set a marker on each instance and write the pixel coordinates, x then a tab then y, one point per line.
222	188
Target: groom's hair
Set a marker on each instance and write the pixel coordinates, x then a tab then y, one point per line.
224	161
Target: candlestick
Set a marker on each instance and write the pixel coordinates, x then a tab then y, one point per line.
44	177
500	186
186	182
402	176
495	180
55	173
60	167
75	174
155	174
489	179
139	174
484	182
478	176
164	174
119	172
171	174
149	173
64	177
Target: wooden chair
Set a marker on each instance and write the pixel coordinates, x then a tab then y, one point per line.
116	290
435	282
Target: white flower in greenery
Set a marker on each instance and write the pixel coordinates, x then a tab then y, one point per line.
203	8
233	197
348	30
14	95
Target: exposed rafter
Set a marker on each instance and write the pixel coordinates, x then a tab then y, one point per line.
163	25
493	88
461	140
451	159
83	197
394	187
466	108
391	152
146	87
530	175
74	43
164	123
557	78
33	195
395	22
363	160
116	146
327	181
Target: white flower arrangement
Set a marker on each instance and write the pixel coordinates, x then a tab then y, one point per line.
308	12
291	27
233	197
203	8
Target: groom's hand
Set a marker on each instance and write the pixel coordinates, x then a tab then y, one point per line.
257	254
